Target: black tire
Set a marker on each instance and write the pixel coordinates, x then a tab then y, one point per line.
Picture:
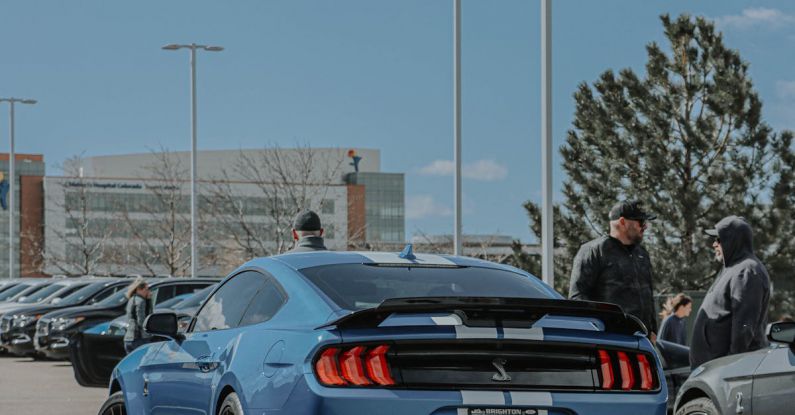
700	406
114	405
231	405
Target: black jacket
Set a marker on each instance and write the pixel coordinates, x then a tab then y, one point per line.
606	270
308	244
733	316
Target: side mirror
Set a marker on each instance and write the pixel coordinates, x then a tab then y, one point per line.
782	332
163	324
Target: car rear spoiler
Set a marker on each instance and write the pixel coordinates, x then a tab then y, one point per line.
493	311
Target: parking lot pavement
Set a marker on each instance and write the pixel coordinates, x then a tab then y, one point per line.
44	387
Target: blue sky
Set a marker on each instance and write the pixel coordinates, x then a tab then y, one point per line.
351	73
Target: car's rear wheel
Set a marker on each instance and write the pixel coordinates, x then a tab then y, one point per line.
114	405
700	406
231	405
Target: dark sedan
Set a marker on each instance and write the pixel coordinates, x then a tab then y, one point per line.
22	331
55	330
13	317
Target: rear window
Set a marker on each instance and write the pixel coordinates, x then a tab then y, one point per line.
358	286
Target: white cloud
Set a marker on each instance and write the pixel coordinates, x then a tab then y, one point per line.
482	170
769	18
423	206
785	89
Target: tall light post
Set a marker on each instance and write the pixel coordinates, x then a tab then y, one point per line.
12	179
193	234
457	237
547	239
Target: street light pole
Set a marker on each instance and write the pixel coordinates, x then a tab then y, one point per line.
547	239
193	157
457	237
12	179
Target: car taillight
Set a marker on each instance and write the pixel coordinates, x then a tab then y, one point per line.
360	365
326	368
377	368
624	366
629	366
606	369
352	367
646	380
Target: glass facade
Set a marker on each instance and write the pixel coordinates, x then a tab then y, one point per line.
384	200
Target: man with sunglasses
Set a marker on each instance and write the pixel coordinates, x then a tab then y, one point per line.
733	317
615	268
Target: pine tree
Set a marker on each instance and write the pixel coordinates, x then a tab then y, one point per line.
687	138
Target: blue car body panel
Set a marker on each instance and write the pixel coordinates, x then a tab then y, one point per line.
270	364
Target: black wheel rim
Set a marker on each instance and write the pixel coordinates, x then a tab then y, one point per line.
115	409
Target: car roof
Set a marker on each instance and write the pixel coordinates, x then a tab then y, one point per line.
302	260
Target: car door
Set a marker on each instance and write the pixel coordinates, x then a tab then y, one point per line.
774	383
182	377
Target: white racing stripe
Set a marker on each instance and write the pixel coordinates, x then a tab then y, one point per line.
449	320
464	332
531	398
483	398
392	258
524	334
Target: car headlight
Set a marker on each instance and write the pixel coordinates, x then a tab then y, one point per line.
24	320
63	323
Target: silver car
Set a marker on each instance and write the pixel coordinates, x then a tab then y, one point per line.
755	383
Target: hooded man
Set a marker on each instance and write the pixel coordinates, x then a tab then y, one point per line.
733	316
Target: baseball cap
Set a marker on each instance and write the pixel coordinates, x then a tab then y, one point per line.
306	220
630	210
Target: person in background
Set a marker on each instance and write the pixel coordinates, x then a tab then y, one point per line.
307	232
733	316
616	268
138	308
674	313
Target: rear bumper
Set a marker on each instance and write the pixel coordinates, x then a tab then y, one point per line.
311	398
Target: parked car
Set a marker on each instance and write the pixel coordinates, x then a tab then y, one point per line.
23	289
363	333
8	283
96	351
11	319
761	382
23	321
55	330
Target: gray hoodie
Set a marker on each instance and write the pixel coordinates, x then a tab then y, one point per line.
733	317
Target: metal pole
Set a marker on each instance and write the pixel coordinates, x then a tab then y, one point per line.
457	241
193	256
547	239
11	183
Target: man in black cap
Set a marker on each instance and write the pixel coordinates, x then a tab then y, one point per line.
615	268
733	317
307	232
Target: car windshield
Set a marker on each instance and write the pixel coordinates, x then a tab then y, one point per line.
195	300
78	296
115	299
43	293
11	292
358	286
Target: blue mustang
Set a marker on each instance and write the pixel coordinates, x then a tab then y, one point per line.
386	333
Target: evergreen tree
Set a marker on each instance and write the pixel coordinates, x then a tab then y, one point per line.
687	138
